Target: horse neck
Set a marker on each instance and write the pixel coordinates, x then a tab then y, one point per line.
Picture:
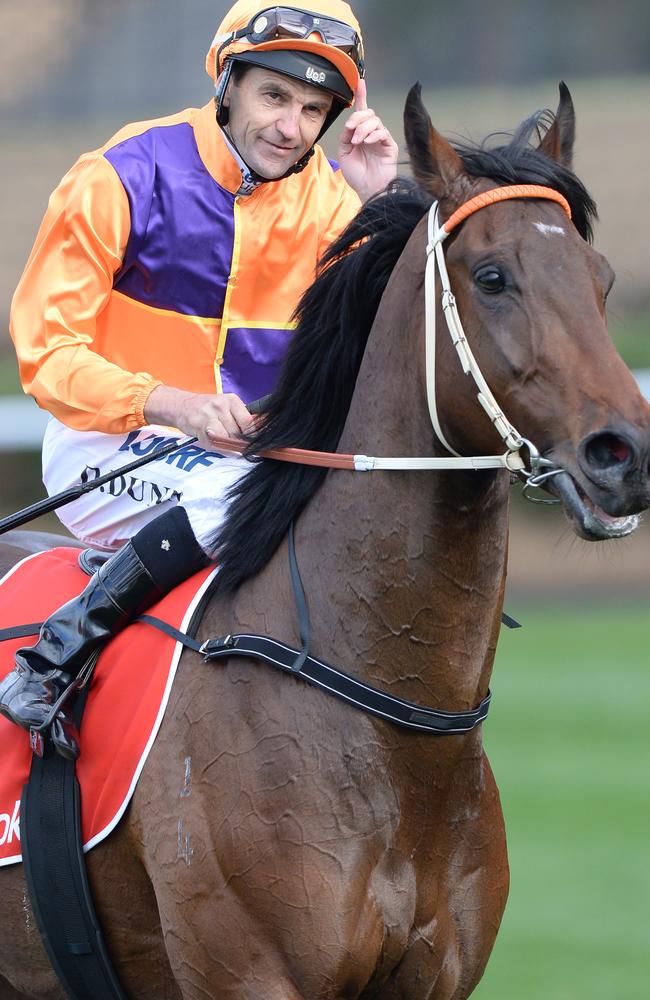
406	569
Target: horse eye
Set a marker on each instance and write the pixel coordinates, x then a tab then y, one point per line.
490	279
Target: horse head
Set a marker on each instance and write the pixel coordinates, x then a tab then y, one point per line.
531	294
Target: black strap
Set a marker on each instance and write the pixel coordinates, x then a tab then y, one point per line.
407	714
55	872
19	631
304	625
509	621
336	682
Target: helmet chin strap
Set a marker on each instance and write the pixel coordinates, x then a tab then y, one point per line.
255	177
223	115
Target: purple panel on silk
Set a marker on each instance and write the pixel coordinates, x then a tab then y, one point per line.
252	361
182	224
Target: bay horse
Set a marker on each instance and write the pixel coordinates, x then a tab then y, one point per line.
327	853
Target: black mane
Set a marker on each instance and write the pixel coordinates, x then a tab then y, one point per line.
309	406
518	161
311	401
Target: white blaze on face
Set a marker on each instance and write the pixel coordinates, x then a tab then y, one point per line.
547	230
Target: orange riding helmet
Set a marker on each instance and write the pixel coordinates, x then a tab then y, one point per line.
321	46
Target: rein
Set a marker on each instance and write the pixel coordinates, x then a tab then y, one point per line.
539	469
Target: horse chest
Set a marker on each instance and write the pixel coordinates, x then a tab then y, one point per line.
419	942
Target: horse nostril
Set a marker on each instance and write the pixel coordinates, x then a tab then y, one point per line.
607	450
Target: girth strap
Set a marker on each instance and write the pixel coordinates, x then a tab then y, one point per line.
55	873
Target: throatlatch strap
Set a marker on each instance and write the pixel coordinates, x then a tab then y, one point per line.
55	872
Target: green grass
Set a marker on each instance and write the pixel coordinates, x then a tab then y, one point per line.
632	339
569	742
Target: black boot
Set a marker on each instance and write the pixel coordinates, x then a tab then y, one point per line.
158	558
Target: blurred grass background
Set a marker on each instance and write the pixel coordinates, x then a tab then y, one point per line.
567	735
567	738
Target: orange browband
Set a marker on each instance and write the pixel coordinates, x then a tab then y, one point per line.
495	195
336	460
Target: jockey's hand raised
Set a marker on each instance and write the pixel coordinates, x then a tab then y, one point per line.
205	417
367	151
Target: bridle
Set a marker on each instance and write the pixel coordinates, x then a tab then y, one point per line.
540	469
532	469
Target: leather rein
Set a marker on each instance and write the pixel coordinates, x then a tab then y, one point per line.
533	469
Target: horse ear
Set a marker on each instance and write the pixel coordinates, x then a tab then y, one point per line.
436	165
558	141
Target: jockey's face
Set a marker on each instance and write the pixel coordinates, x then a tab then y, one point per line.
273	119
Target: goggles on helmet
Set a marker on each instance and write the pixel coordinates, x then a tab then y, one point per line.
287	22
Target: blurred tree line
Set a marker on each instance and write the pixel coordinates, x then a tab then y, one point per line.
71	57
506	41
73	71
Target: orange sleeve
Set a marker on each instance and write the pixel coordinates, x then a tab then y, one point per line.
66	284
345	203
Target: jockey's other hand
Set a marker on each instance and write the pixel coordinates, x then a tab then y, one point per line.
367	151
204	416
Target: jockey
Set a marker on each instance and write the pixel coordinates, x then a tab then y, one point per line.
158	300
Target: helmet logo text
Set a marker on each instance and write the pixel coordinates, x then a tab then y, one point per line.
316	76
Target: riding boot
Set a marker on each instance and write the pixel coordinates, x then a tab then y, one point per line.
159	557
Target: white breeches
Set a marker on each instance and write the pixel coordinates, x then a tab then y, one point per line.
107	517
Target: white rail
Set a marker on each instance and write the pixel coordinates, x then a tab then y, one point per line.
22	424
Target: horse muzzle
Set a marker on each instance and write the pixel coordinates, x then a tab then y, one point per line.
610	486
588	519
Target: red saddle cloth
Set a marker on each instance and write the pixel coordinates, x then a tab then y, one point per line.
130	687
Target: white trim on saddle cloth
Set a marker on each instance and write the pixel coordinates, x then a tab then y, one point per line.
10	805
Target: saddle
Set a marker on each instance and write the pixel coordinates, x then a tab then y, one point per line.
133	698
